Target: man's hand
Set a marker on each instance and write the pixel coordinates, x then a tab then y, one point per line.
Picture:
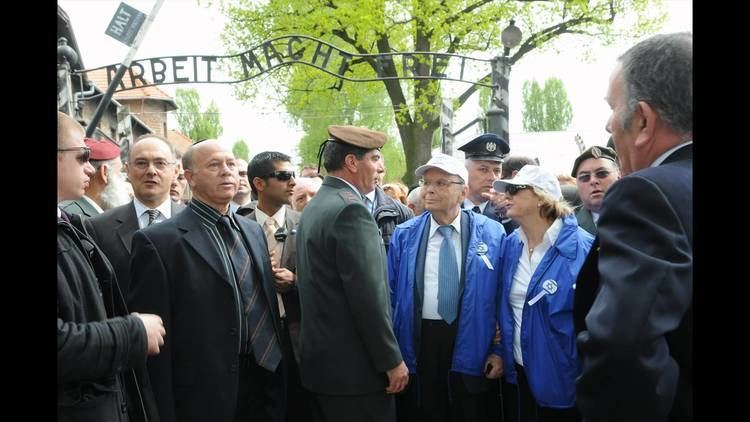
155	331
283	279
498	199
494	366
398	377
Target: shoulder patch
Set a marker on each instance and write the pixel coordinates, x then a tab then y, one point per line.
348	196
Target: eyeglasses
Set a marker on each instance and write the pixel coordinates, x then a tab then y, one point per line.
514	189
85	153
281	175
160	165
599	174
440	183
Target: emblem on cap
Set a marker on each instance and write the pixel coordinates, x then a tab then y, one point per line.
491	146
596	152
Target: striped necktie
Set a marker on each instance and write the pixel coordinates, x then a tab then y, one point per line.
152	216
447	276
262	336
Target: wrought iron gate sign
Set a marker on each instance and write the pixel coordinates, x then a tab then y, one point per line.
285	51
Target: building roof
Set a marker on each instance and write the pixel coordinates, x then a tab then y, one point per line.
180	141
99	78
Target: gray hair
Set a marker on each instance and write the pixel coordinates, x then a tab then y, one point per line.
659	71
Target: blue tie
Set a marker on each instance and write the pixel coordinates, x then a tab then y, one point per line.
447	277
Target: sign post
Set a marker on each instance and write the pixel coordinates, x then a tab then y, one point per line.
128	27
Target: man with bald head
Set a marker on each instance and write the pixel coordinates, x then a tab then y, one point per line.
209	273
151	169
100	347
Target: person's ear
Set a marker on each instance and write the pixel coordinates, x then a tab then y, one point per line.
102	172
645	117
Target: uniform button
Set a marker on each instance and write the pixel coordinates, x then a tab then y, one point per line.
233	332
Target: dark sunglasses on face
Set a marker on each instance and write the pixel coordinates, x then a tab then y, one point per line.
85	153
599	174
514	189
281	175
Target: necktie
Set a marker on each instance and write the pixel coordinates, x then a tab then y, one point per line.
476	209
269	228
151	216
262	337
368	203
447	276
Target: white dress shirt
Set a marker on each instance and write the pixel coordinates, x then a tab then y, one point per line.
165	211
521	279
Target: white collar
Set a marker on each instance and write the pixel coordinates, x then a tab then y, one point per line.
456	223
279	217
165	208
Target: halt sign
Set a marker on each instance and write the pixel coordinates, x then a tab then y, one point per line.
125	24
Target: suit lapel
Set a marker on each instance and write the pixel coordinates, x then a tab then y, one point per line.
290	226
200	241
127	226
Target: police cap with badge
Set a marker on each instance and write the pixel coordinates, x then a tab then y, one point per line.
594	152
488	146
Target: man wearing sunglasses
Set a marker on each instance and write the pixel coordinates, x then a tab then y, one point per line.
101	349
272	181
349	358
595	170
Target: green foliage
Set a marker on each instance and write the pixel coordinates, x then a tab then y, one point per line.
470	27
192	121
241	150
546	109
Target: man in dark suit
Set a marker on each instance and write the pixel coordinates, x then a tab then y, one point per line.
350	360
151	169
595	170
272	180
208	272
636	344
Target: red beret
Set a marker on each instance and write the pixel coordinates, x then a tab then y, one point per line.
102	150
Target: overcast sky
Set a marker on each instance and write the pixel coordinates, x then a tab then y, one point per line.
182	27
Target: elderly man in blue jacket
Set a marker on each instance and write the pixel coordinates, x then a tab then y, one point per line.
443	274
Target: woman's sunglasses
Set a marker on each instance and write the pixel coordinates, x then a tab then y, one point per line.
514	189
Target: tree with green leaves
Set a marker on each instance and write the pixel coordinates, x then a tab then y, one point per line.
241	150
546	109
192	121
441	26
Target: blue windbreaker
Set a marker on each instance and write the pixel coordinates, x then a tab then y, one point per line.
478	310
548	340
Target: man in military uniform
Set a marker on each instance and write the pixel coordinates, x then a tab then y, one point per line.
595	170
349	358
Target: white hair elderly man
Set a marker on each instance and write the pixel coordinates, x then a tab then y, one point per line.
443	275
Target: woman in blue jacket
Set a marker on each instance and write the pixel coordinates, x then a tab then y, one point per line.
539	265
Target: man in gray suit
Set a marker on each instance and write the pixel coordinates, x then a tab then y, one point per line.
151	170
595	170
272	180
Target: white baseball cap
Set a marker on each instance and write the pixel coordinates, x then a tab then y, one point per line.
534	176
445	163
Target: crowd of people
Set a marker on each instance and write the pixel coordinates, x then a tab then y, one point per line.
494	291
